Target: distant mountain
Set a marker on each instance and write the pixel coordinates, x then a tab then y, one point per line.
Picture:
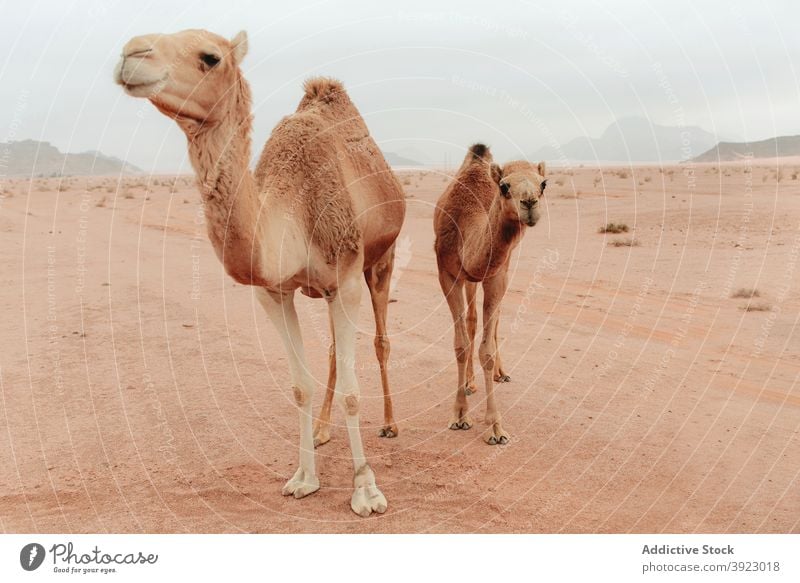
397	160
32	158
634	139
770	148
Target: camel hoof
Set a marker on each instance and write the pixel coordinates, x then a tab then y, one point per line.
470	390
301	485
502	378
495	435
461	423
389	431
367	498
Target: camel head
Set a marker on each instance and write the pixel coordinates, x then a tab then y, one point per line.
522	184
189	76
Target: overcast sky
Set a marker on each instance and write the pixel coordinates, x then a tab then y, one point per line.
430	75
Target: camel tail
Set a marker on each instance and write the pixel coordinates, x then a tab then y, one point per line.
323	89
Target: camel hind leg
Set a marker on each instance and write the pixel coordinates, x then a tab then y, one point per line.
322	426
500	375
378	278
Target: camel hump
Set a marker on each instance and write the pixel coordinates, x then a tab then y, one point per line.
323	89
480	152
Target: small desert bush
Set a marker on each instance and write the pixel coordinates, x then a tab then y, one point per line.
614	228
745	292
757	307
629	242
101	203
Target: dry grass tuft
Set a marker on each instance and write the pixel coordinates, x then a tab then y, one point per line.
614	228
747	293
757	307
629	242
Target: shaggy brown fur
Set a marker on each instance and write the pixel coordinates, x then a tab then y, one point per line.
478	221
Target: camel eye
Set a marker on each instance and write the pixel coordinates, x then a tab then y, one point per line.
210	60
504	187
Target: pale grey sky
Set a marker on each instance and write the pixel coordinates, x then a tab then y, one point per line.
432	75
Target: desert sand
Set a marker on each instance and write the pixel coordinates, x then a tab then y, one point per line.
144	391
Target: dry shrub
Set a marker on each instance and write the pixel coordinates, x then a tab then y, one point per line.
629	242
614	228
746	292
757	307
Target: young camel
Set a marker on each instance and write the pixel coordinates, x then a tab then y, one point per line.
478	221
322	208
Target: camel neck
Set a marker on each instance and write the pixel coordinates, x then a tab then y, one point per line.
220	155
504	232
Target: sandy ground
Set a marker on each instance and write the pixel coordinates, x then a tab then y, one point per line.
143	391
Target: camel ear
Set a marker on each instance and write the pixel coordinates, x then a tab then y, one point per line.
497	173
239	44
541	169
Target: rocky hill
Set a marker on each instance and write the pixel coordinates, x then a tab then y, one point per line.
32	158
633	139
770	148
